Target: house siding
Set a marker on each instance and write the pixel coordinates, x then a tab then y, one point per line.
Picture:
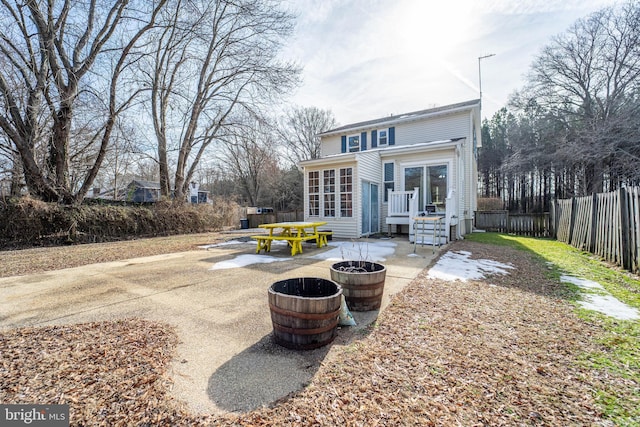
436	129
341	227
369	169
471	176
447	156
331	145
451	132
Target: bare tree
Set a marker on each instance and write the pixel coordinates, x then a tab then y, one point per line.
299	131
248	156
213	60
121	157
588	80
10	173
51	52
286	189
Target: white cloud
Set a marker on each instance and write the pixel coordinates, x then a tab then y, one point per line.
366	59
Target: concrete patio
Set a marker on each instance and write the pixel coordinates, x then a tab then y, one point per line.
226	359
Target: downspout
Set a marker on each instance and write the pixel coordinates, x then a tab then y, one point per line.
459	150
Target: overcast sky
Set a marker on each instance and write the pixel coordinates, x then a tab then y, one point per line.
366	59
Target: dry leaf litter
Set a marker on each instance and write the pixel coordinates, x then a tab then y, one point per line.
499	351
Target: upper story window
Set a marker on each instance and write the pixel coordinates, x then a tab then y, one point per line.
383	137
353	143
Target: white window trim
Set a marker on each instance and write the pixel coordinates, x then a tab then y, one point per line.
319	193
323	193
384	183
339	193
357	149
387	137
451	181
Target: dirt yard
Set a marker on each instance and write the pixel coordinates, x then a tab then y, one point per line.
505	350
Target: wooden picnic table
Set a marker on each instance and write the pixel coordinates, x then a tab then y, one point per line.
293	232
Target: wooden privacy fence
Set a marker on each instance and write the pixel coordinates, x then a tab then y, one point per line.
527	224
290	216
606	224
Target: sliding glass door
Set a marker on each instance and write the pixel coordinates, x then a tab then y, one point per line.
432	183
414	177
370	208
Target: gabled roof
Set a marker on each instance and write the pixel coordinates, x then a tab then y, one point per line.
390	120
386	151
138	183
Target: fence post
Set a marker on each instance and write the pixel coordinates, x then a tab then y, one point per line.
553	225
594	223
508	224
572	219
624	230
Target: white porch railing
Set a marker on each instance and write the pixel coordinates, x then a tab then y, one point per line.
399	202
403	208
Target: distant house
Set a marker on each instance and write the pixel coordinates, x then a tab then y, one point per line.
140	191
196	195
378	175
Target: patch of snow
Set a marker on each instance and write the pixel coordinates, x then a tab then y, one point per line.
216	245
609	305
458	266
365	251
244	260
583	283
605	304
241	242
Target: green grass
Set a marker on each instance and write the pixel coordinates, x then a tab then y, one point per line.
619	345
568	260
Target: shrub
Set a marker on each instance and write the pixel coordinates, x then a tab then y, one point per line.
490	204
26	221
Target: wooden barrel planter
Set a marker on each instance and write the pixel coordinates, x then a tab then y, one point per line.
362	283
304	312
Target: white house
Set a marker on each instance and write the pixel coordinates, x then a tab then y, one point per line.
376	176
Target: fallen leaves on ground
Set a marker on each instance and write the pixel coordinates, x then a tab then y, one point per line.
499	351
109	373
37	260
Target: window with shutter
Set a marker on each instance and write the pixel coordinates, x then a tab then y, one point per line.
383	136
389	182
353	143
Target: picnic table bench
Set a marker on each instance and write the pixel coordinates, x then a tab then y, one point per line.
294	233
